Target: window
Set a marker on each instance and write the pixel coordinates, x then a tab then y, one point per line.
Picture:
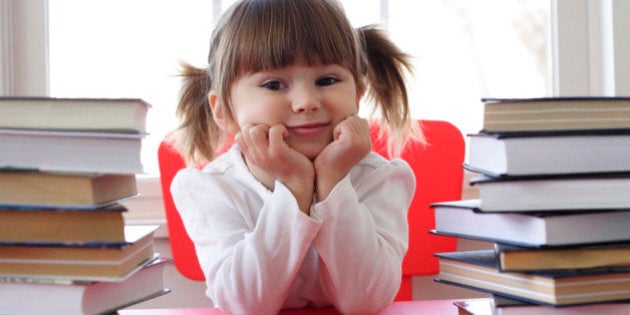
463	50
118	48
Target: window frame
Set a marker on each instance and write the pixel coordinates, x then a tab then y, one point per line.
589	55
24	47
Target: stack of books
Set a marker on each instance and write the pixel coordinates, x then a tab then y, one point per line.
66	165
554	183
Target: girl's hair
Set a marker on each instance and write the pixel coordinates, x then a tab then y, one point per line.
259	35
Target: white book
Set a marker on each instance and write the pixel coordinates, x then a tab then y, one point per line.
95	297
544	193
491	307
499	155
65	151
87	114
463	219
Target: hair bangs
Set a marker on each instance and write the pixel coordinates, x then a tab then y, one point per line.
274	34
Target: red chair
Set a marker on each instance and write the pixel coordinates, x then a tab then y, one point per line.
439	176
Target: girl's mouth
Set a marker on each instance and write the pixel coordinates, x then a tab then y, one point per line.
305	130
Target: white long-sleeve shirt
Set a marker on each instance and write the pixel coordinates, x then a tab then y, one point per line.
260	253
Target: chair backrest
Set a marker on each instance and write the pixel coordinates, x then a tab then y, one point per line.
439	177
185	258
439	174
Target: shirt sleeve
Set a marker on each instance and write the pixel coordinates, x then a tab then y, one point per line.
249	262
364	237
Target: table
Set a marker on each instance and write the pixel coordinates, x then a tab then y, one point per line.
429	307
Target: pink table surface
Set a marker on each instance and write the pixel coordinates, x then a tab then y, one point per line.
429	307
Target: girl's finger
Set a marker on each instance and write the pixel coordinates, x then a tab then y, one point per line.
259	133
277	134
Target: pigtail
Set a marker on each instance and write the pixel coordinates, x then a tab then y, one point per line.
385	67
198	134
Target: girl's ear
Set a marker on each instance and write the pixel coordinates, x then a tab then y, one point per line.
224	122
217	111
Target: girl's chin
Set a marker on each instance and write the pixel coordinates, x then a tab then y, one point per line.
309	151
311	155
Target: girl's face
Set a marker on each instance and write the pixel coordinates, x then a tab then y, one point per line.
308	100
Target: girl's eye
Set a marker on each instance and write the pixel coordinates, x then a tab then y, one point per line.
274	85
327	81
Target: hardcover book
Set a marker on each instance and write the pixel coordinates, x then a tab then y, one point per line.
50	225
125	115
536	229
554	192
65	151
571	153
95	261
555	113
87	297
518	258
479	270
70	190
502	306
617	308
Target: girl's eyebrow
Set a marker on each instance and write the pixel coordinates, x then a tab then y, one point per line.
264	74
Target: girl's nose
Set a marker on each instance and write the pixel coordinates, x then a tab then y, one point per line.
305	100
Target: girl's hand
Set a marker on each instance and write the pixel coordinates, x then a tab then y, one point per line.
351	143
269	159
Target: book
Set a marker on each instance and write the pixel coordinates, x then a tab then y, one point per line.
50	225
499	154
125	115
518	258
554	192
70	190
536	229
590	309
555	113
497	306
88	297
478	270
475	307
94	261
66	151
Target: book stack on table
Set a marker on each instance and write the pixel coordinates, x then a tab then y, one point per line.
64	246
554	198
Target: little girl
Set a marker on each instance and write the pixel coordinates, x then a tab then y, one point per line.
298	212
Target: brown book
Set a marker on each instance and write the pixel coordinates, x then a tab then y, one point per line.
80	190
62	225
479	270
517	258
85	261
